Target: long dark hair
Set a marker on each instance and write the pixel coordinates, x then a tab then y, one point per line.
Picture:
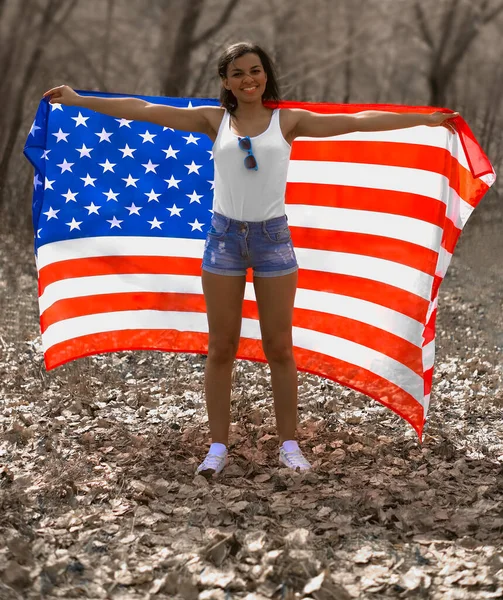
271	92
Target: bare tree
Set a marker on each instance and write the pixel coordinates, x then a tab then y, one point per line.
186	42
459	27
53	13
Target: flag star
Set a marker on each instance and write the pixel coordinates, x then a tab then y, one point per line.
34	128
74	224
170	128
212	181
66	166
51	213
189	105
61	136
111	195
114	222
36	181
48	184
104	135
56	106
170	153
134	210
92	208
38	232
172	182
210	152
194	197
129	180
174	210
44	154
147	136
107	166
193	168
191	139
88	180
152	196
80	120
84	151
123	123
127	151
196	225
70	196
150	167
155	223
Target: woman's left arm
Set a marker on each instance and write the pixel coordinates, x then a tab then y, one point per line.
310	124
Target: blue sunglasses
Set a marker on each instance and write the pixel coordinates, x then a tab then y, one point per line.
246	145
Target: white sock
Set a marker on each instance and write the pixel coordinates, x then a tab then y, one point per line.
290	445
217	448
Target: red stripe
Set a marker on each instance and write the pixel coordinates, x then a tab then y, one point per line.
450	236
405	253
116	265
373	291
361	333
405	204
337	370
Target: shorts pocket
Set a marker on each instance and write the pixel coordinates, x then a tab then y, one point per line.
279	236
217	231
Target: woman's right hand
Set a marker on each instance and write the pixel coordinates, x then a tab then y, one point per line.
63	94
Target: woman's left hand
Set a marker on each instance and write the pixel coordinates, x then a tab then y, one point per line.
444	119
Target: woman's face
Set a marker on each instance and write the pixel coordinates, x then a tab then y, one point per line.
246	78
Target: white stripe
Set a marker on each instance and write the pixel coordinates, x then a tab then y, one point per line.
432	306
334	304
398	179
388	225
362	311
429	355
118	246
435	137
444	260
339	348
368	267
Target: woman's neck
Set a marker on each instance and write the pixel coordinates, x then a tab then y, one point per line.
250	111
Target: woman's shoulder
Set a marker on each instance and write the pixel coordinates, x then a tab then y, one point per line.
214	115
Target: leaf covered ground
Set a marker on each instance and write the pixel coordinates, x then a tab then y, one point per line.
98	497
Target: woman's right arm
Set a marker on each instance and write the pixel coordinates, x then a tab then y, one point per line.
198	119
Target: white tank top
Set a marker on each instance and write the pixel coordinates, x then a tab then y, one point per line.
245	194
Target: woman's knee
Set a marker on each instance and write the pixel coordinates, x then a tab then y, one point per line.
222	350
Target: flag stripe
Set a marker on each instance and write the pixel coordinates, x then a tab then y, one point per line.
357	354
421	136
395	227
350	329
137	284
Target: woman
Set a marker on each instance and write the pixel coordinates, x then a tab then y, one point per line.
249	227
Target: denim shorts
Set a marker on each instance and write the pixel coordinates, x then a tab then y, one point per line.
232	246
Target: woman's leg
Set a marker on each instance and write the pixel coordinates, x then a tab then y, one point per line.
275	299
224	301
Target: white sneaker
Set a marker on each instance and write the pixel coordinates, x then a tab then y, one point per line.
213	463
294	459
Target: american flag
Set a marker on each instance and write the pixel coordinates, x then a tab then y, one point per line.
121	210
